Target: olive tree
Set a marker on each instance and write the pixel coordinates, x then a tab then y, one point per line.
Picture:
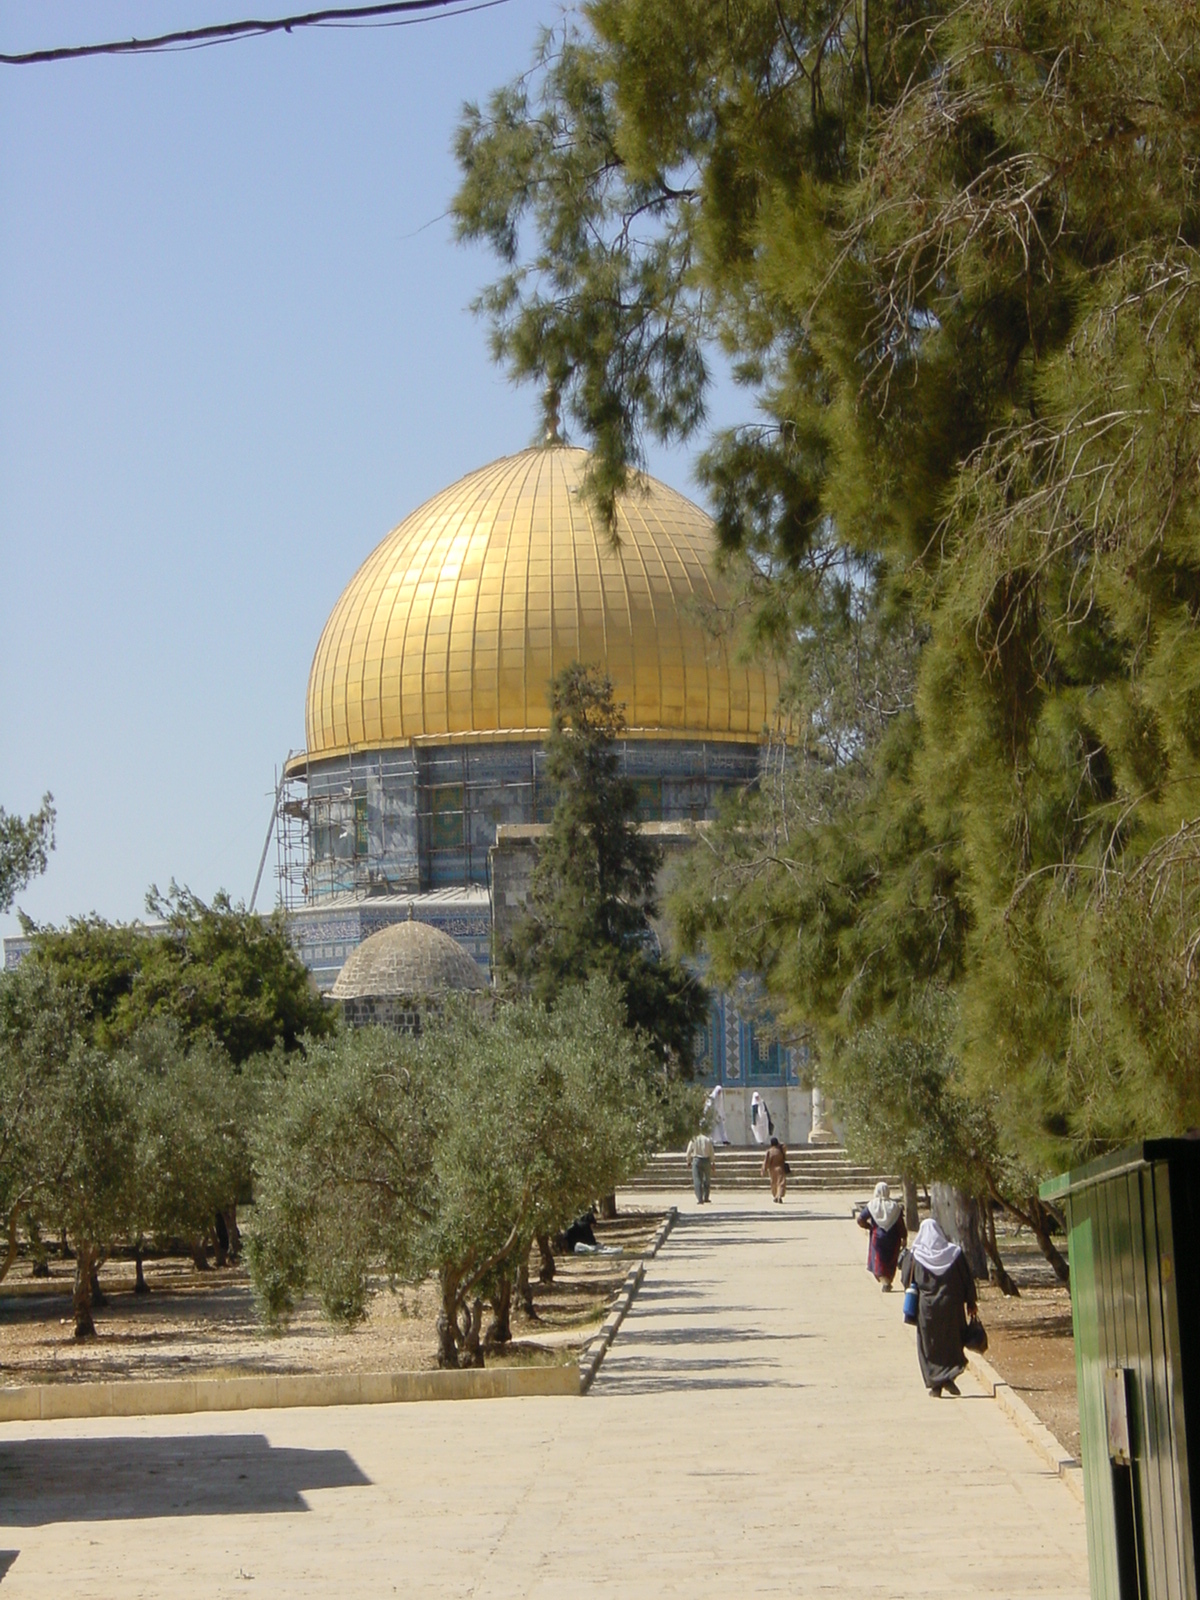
40	1023
68	1130
543	1111
342	1173
446	1155
192	1152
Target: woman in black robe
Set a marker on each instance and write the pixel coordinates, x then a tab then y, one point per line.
945	1297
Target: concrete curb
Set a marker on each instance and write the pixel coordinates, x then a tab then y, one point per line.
169	1396
1036	1431
597	1347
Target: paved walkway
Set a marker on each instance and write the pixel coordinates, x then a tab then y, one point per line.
758	1428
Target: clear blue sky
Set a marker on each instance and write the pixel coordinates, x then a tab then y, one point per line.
229	363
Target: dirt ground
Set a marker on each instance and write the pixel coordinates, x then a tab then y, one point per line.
204	1324
1029	1338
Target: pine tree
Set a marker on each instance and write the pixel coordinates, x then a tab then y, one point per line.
952	254
592	897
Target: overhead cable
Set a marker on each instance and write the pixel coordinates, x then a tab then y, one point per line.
229	32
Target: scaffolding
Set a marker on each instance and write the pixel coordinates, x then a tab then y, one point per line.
293	843
335	835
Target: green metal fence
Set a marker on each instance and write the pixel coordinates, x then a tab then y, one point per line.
1135	1275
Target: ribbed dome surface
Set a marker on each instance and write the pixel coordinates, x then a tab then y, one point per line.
454	626
407	960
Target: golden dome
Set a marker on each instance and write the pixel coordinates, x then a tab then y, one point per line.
453	627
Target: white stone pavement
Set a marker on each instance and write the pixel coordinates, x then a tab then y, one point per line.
758	1428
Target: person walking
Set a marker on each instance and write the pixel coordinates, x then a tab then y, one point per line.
945	1296
714	1110
883	1219
761	1125
700	1156
775	1167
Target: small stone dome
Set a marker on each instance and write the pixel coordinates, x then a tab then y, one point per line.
407	960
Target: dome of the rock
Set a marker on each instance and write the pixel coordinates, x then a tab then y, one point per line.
409	827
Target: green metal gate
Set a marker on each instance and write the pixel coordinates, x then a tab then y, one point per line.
1132	1233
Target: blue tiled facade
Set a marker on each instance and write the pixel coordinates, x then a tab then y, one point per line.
740	1054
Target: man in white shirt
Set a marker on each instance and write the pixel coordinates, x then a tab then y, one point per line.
700	1155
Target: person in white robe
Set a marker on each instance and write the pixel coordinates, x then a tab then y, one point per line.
714	1108
761	1125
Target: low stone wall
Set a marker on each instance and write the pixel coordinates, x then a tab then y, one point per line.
169	1396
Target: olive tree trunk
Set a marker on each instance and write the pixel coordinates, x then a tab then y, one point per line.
81	1306
998	1273
471	1355
38	1253
221	1233
447	1323
500	1328
546	1256
1039	1219
961	1219
525	1289
912	1206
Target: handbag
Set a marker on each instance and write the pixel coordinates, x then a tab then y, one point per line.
975	1336
910	1303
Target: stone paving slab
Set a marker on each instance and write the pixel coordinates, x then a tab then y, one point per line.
758	1427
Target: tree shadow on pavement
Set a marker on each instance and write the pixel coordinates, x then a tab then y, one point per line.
652	1374
663	1289
740	1335
101	1480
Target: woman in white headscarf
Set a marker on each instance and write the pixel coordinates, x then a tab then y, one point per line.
883	1219
945	1297
714	1107
761	1125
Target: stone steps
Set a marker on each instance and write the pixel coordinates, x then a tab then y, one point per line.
813	1167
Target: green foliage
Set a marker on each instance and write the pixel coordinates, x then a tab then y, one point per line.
954	262
25	845
194	1116
217	971
899	1093
41	1030
342	1161
445	1153
592	896
631	327
68	1126
148	1139
94	1197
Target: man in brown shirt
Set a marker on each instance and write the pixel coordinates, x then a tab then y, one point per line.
775	1167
